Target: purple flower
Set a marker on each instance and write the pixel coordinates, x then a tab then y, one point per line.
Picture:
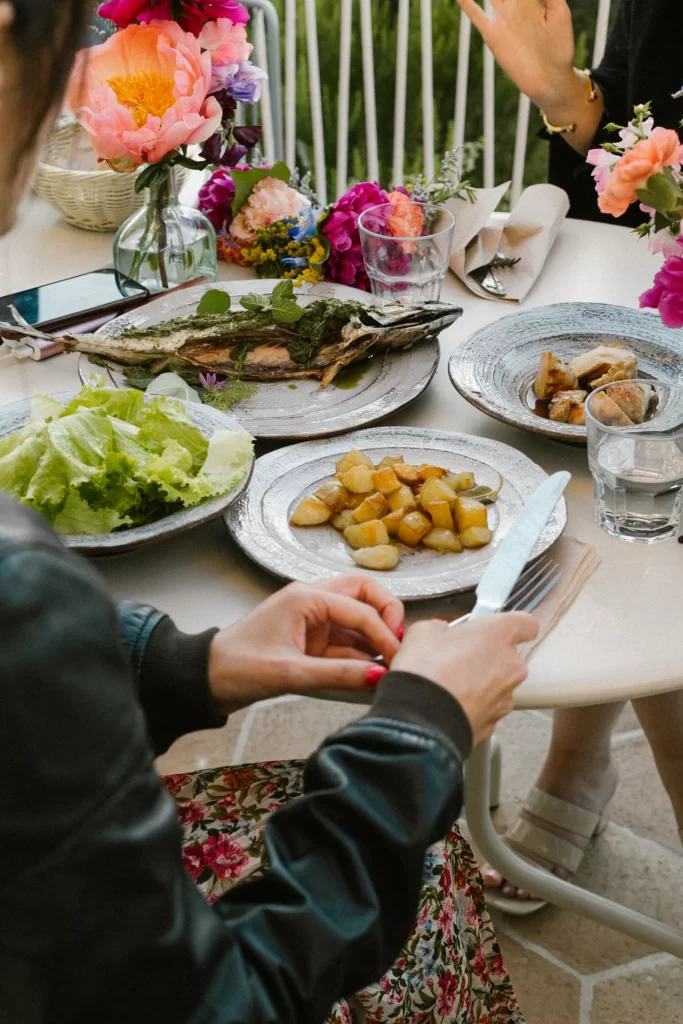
666	294
210	382
345	264
215	198
247	84
222	76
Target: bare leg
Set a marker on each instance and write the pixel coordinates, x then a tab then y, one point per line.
578	768
662	720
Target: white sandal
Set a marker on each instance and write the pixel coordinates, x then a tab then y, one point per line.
530	839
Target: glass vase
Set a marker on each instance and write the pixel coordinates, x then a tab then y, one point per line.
166	244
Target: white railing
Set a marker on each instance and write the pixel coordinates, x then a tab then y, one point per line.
280	142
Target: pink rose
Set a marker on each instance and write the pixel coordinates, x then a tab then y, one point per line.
224	856
345	264
666	294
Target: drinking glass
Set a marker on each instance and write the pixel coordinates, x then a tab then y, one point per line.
637	469
406	249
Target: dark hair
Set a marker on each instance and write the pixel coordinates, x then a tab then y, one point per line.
46	36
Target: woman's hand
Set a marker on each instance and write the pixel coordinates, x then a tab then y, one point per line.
306	638
477	663
533	41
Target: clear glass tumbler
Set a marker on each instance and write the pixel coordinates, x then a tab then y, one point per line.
637	467
406	249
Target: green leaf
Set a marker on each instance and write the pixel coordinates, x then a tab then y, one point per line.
245	181
255	303
283	290
214	301
286	311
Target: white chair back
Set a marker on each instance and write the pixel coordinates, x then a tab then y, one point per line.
279	122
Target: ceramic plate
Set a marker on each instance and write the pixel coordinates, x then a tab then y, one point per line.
13	417
292	410
495	368
259	522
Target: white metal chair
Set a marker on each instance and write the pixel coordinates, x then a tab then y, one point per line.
280	132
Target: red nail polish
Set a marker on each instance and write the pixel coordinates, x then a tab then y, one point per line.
374	674
401	631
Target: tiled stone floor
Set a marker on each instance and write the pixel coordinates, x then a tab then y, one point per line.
566	970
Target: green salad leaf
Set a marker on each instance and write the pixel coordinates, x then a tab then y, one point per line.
109	459
214	301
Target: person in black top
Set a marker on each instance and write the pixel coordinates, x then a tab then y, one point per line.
533	41
99	920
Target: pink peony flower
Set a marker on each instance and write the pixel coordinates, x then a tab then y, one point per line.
345	264
215	198
270	201
666	294
143	94
226	42
602	162
194	13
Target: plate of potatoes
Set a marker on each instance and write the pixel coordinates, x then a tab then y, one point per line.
423	510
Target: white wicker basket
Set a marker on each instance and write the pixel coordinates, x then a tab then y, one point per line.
97	200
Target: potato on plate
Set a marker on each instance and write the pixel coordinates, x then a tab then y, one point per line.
469	512
353	458
374	507
393	520
402	498
310	512
385	480
334	494
383	557
389	460
367	535
460	481
358	479
440	539
475	537
354	500
436	490
413	528
343	519
407	474
426	471
440	514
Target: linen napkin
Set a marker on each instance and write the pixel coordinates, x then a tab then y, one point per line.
529	233
578	562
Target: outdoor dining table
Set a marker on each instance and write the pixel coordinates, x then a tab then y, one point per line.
620	640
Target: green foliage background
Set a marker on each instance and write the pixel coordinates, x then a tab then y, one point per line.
446	22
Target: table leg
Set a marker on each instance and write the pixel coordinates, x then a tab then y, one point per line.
490	847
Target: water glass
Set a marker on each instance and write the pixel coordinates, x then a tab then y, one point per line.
638	468
406	249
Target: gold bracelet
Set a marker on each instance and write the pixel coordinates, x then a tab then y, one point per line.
591	96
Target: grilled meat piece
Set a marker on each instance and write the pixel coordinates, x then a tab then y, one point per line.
553	375
632	398
568	407
604	364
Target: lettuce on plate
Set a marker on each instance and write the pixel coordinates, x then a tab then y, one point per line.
109	460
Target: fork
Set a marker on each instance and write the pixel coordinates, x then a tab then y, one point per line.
486	278
533	585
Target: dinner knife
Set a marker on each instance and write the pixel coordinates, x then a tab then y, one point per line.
506	566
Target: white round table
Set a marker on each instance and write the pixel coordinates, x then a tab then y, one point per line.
619	639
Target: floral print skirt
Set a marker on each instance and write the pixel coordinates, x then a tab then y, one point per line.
450	971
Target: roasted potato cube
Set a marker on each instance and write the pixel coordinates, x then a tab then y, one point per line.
354	500
310	512
334	494
358	479
440	514
469	512
353	458
393	520
382	558
460	481
402	498
367	535
434	490
373	507
343	519
407	474
442	540
389	460
385	480
475	537
426	471
413	528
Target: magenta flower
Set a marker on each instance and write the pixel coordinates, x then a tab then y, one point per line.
345	264
666	294
215	199
210	382
195	13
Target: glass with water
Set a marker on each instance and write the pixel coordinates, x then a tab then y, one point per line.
637	467
406	249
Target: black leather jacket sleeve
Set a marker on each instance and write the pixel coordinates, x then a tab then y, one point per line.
98	919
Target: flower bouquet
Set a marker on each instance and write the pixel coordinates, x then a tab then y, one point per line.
645	167
270	219
168	79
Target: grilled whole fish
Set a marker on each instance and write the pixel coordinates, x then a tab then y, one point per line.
329	336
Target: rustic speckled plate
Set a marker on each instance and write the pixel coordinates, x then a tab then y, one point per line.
13	418
293	410
259	521
495	368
